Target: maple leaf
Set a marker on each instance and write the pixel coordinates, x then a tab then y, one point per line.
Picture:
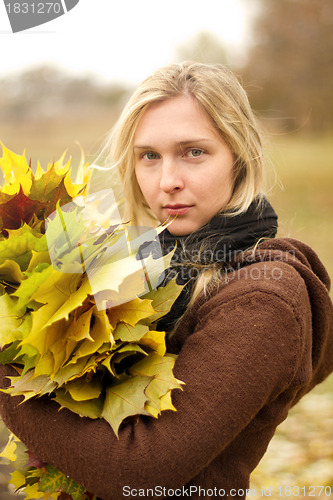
129	333
18	479
53	480
131	312
11	322
16	172
83	389
124	399
160	369
155	340
20	244
18	209
10	272
91	408
163	299
30	285
50	187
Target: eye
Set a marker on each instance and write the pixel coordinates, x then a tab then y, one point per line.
195	152
150	155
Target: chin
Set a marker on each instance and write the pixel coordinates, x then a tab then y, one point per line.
182	229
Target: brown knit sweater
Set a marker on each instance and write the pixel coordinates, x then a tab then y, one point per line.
247	353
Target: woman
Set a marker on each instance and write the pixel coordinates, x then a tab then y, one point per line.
253	328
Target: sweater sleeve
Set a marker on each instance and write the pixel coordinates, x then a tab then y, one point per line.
243	352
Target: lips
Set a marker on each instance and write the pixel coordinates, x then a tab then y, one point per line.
177	209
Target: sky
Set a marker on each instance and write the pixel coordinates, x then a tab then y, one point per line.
121	40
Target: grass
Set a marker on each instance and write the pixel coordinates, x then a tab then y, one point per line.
305	205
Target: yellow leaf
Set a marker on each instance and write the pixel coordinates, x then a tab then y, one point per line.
61	295
10	321
32	493
43	340
111	275
9	450
10	272
45	365
79	328
128	333
16	172
125	399
156	406
166	403
83	390
159	367
75	189
59	166
61	351
38	258
89	408
152	410
100	333
29	386
17	479
131	312
155	340
39	171
163	298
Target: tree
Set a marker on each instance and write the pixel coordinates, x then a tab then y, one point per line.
291	62
204	47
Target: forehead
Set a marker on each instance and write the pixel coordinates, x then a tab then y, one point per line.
178	117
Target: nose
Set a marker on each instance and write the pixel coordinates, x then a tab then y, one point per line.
171	176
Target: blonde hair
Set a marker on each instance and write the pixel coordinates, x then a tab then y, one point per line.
218	91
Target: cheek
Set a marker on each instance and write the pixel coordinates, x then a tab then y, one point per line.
144	183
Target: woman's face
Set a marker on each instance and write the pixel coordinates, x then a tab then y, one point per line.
182	165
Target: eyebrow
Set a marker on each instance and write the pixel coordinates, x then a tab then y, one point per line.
180	143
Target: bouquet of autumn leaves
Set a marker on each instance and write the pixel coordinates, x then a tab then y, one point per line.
78	309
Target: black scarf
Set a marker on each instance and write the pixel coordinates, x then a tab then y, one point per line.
220	242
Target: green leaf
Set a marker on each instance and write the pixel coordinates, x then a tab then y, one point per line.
20	244
125	399
31	284
8	355
45	187
53	480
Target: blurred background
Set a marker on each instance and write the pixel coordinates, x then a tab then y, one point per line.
61	88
